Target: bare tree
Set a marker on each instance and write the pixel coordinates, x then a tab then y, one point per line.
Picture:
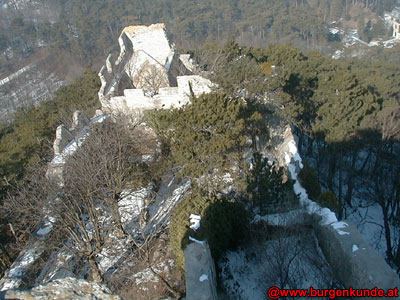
291	252
85	209
144	258
109	161
383	188
23	207
150	76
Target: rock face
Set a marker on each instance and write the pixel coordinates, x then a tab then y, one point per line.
29	85
26	79
63	289
63	137
148	74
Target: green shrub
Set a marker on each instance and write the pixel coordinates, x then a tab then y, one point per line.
329	200
205	135
224	224
310	182
264	183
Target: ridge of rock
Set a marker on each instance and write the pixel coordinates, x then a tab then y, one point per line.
63	289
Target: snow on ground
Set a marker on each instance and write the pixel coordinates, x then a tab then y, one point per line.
60	265
340	225
196	241
293	161
368	218
351	39
171	191
291	217
114	252
147	275
13	277
249	272
203	277
131	205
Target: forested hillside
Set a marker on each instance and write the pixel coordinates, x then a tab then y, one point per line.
53	41
26	143
88	29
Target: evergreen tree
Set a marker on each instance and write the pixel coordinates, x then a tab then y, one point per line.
264	183
205	135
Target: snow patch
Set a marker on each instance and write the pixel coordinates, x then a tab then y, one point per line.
294	163
194	221
340	225
147	275
196	241
203	277
132	202
355	248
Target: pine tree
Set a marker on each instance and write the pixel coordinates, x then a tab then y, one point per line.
264	183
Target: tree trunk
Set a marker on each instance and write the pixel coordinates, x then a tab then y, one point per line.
388	238
350	181
332	167
117	218
94	270
340	188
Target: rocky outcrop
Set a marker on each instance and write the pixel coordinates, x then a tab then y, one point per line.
63	137
79	121
63	289
27	86
66	143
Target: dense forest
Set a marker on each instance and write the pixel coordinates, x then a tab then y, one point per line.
88	29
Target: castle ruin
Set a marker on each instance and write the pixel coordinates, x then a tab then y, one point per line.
148	74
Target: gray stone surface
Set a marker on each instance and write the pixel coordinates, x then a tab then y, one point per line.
354	262
79	120
63	137
199	272
63	289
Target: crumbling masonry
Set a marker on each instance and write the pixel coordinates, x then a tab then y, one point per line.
148	74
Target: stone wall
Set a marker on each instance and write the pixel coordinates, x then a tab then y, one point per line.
199	272
396	29
353	261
